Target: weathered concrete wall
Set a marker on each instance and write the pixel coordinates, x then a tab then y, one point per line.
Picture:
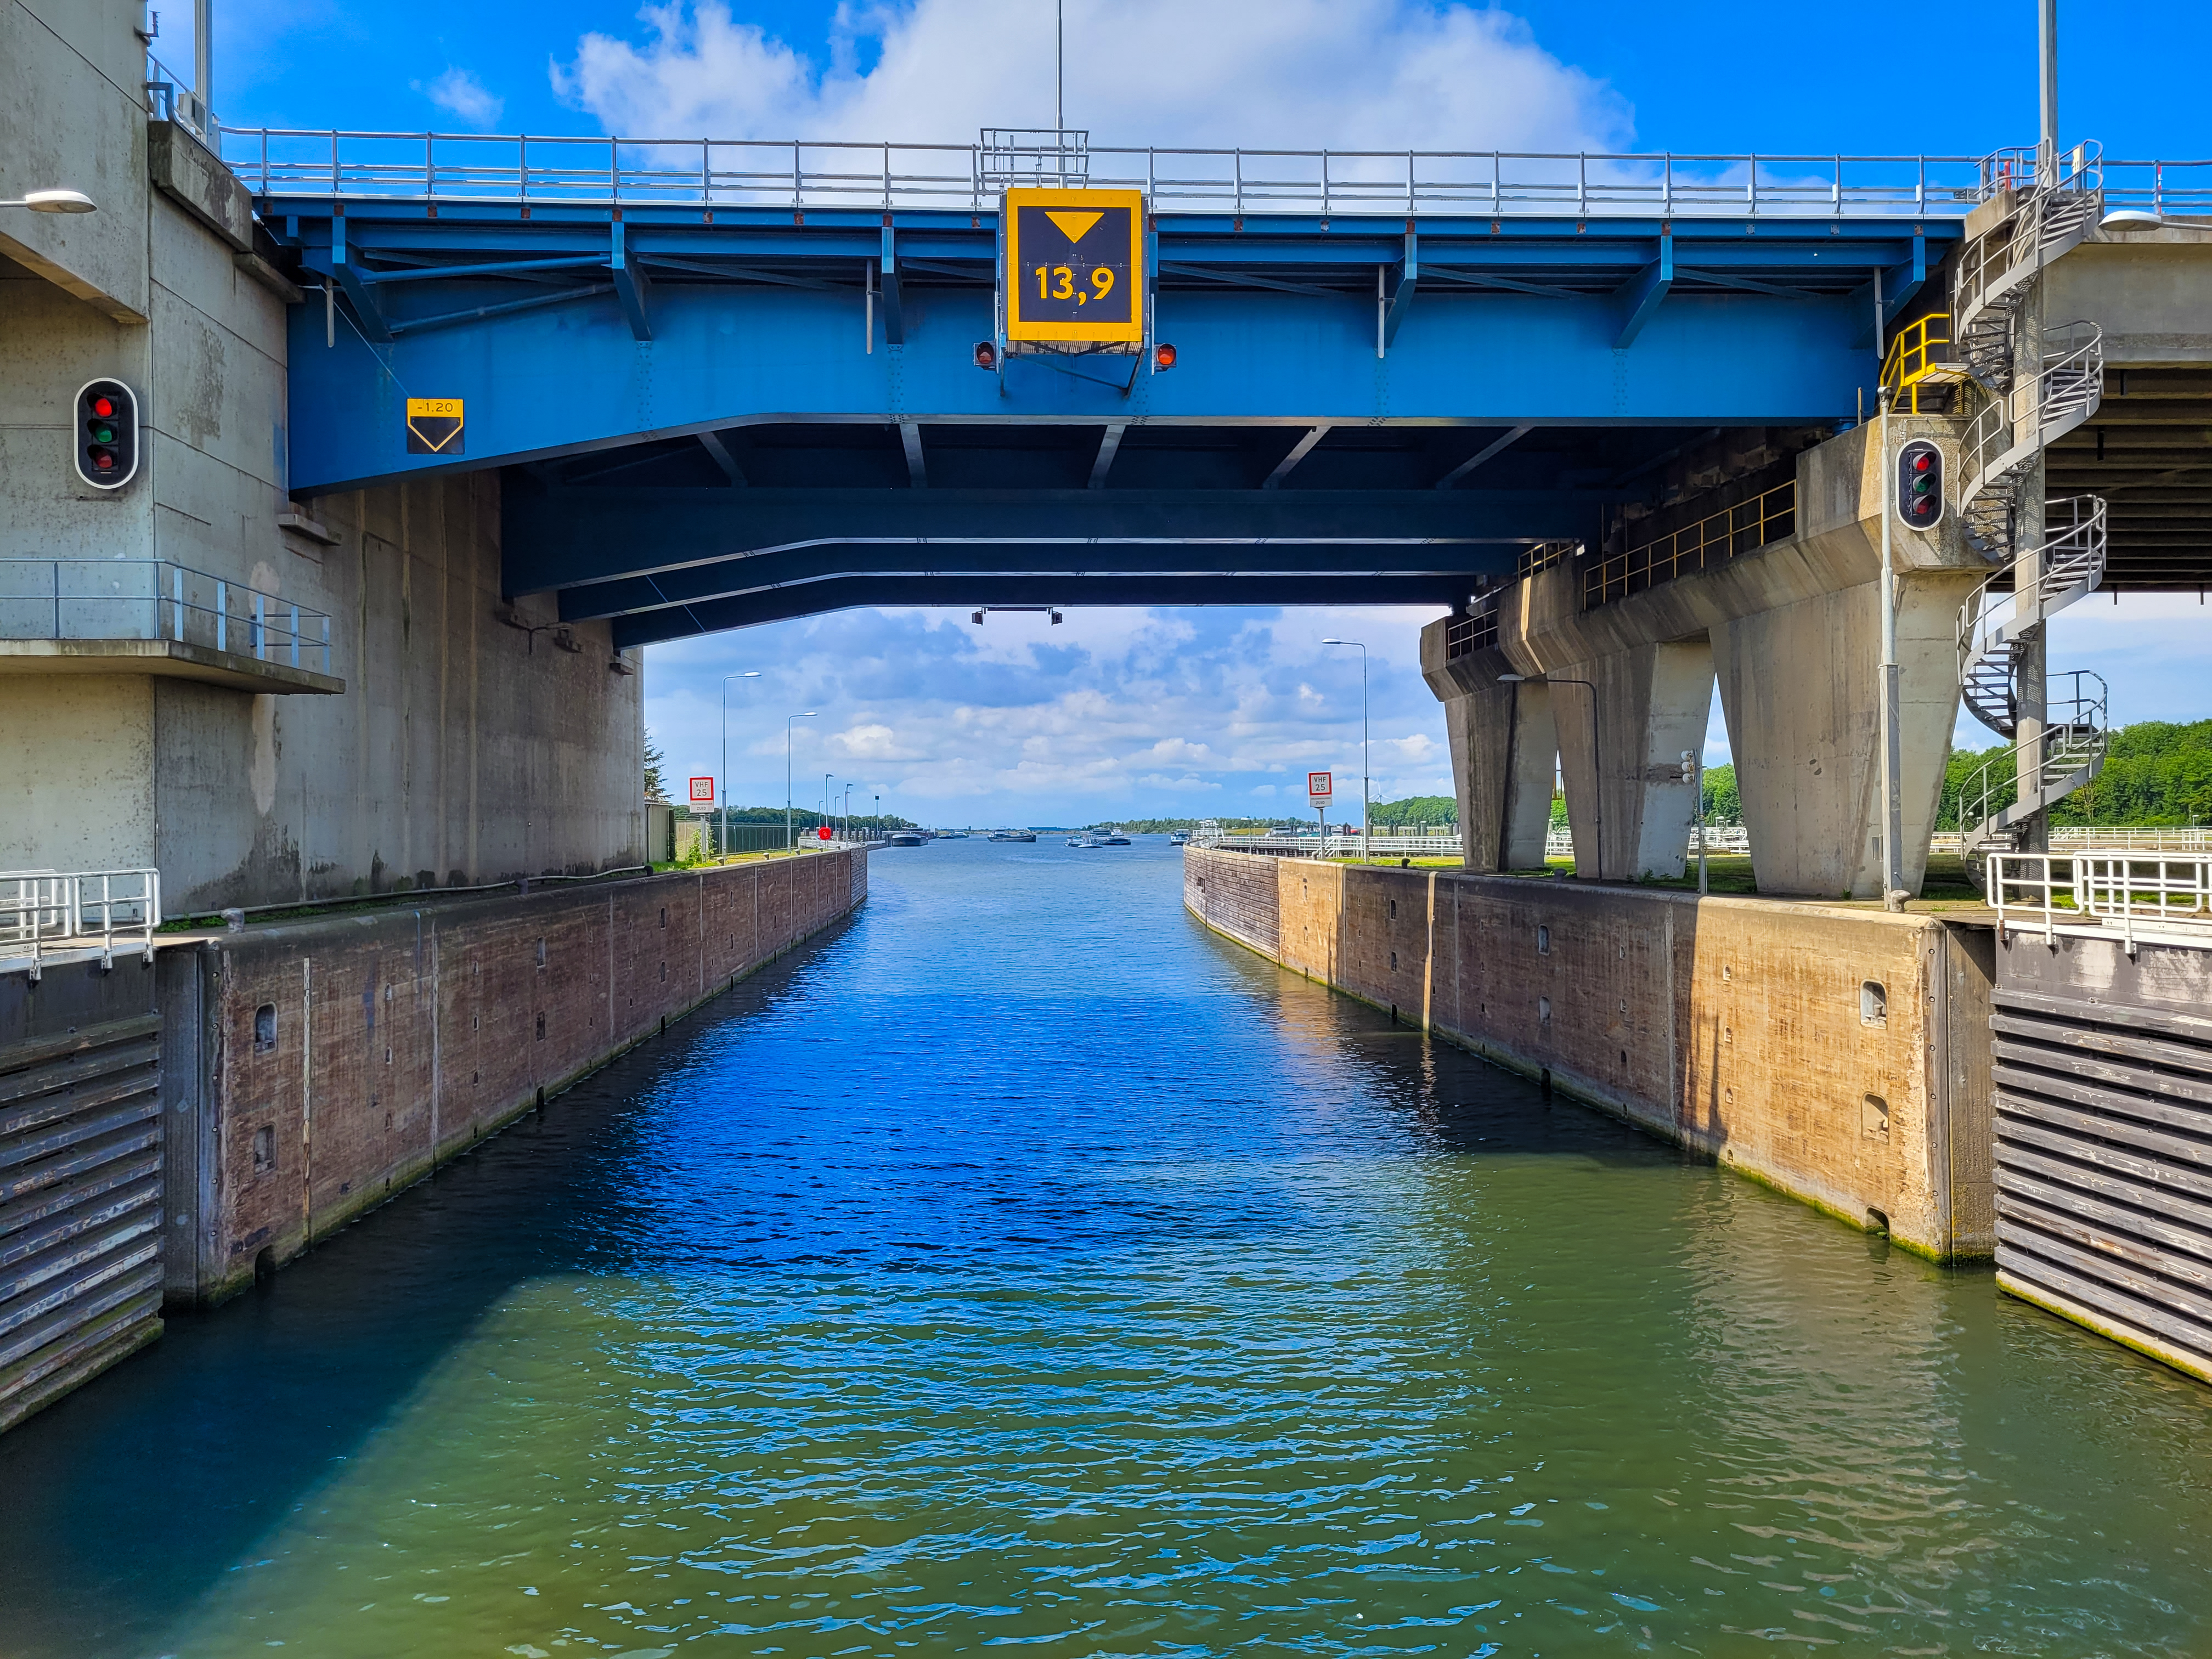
393	1041
2146	289
1733	1026
463	748
73	117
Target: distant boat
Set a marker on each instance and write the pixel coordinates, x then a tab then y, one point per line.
906	838
1180	838
952	835
1011	835
1111	838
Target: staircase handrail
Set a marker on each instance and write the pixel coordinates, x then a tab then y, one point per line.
2070	743
2019	166
2064	393
2073	564
2004	258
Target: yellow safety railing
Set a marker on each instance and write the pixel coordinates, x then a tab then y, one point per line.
1919	354
1714	539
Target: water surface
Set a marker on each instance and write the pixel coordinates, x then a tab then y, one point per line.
1022	1266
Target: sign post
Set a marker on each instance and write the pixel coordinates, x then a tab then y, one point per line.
701	798
1320	786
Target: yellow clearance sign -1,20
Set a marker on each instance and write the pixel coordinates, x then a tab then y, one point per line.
1075	266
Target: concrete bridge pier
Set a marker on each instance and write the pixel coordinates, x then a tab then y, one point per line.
1800	688
1504	755
1621	755
1793	632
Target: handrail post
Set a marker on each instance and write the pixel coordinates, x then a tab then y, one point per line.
260	624
221	615
177	604
296	636
326	644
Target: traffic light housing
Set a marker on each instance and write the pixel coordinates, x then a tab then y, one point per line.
1920	484
106	440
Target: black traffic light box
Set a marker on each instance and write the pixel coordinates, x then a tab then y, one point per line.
1920	484
106	434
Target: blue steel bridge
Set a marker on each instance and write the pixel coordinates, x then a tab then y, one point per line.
728	384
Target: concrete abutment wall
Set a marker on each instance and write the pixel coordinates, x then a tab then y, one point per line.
1841	1056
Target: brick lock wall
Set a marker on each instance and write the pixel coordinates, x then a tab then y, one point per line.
1233	895
344	1057
1733	1026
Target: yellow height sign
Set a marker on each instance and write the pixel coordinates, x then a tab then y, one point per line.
1075	266
434	426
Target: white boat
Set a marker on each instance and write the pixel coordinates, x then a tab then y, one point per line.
906	838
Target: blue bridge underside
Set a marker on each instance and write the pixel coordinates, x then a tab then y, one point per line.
708	419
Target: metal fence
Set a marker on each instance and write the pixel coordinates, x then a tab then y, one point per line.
156	599
708	172
45	911
2167	896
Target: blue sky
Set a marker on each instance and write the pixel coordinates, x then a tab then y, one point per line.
1199	712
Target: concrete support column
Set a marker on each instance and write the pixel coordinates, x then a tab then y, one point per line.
1504	754
1625	769
1801	689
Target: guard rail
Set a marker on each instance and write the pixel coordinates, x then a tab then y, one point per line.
156	599
46	912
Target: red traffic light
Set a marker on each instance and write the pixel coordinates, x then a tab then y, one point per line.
103	460
1163	356
1923	462
986	354
823	832
103	406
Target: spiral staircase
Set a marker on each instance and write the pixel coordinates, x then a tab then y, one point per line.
2036	390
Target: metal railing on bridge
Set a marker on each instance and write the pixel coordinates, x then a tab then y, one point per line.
1714	539
708	172
45	913
156	599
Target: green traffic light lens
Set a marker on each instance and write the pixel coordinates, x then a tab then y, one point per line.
102	433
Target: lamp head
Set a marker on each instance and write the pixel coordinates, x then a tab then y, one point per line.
59	201
1511	679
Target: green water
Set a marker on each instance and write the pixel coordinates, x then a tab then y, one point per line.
1024	1268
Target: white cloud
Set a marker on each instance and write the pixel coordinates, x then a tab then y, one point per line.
461	95
1120	712
1375	74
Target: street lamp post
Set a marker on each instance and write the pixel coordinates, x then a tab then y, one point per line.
826	776
749	674
1597	807
790	846
849	788
54	201
1364	768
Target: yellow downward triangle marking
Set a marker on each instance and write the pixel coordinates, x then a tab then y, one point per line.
1075	226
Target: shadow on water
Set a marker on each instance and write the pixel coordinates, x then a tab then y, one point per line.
1449	1100
196	1446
